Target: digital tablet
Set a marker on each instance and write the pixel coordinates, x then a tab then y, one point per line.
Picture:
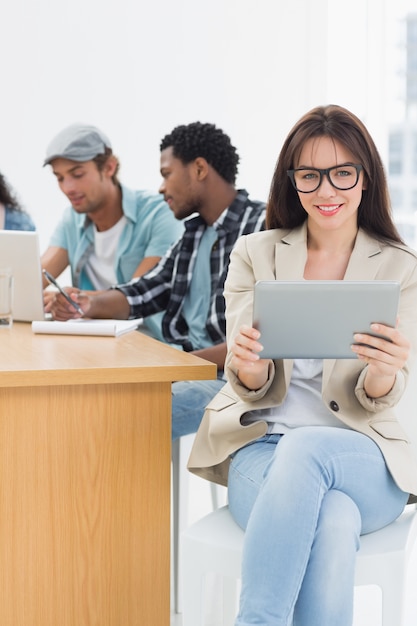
310	319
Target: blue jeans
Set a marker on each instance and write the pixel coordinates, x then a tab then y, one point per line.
189	401
304	499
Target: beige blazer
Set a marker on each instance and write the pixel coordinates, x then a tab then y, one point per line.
281	255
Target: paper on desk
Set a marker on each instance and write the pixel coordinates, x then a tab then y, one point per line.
105	327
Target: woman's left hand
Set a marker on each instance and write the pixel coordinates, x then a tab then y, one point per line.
384	357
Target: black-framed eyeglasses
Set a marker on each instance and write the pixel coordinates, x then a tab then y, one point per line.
309	179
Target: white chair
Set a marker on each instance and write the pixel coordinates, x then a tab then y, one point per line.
181	449
214	545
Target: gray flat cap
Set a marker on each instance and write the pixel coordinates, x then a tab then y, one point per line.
78	142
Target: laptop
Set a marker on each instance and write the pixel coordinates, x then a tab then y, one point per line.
19	250
317	319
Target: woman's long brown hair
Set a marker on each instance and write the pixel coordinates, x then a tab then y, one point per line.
284	209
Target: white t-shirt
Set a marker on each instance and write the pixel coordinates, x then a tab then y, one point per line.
303	405
100	266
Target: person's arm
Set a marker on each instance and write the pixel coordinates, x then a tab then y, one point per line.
110	304
215	354
387	363
127	301
155	230
244	362
54	260
252	371
148	263
384	358
249	367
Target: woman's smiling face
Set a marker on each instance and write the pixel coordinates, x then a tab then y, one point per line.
327	207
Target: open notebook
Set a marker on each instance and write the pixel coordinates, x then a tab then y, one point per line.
104	328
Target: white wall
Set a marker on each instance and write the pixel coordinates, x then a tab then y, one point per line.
137	69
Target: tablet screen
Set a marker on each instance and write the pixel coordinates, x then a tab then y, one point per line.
317	319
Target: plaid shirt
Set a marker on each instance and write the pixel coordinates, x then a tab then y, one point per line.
164	287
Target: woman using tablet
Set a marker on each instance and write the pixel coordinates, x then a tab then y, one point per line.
311	449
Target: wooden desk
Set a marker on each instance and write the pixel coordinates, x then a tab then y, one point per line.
85	477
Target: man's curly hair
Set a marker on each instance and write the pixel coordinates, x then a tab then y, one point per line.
195	140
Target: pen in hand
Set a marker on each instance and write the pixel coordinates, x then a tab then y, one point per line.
53	282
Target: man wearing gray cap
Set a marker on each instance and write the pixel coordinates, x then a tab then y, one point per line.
110	234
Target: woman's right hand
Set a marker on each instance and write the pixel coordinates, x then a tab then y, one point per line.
252	370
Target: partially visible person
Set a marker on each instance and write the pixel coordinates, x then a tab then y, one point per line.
12	216
199	166
311	449
110	234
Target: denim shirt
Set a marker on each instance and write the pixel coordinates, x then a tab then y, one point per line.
17	220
